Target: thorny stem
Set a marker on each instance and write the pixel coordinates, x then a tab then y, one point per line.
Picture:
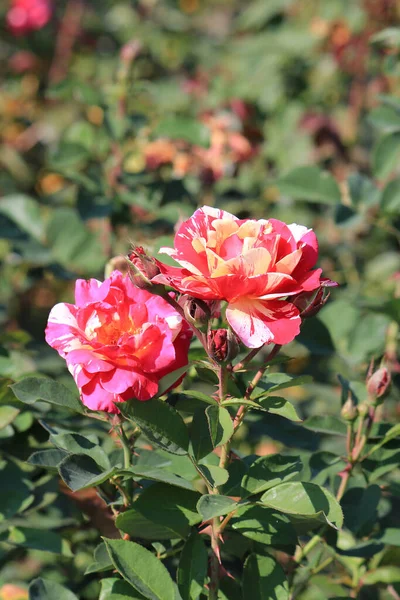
216	525
246	359
126	447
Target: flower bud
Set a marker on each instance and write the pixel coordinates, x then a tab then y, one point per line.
142	268
349	410
198	312
363	409
310	303
378	383
223	345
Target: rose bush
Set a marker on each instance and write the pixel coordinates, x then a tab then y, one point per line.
118	340
255	266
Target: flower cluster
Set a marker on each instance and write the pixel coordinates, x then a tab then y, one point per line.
122	336
28	15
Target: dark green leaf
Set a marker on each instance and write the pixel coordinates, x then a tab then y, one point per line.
79	471
387	575
263	579
44	589
158	475
137	526
161	424
385	155
310	184
326	424
27	537
101	562
25	212
192	569
305	499
141	569
211	505
31	389
176	512
15	493
279	406
210	428
264	525
117	589
267	471
47	458
168	380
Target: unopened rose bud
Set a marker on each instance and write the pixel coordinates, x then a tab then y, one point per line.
223	345
310	303
198	312
142	268
363	409
349	410
378	383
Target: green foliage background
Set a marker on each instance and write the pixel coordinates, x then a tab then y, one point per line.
312	87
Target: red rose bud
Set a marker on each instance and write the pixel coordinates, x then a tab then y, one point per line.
310	303
142	268
378	383
223	345
198	312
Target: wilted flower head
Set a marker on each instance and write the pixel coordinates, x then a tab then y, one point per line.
255	266
118	340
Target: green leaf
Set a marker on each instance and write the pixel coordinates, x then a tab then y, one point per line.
326	424
182	128
192	569
215	475
264	578
44	589
220	425
274	382
240	402
390	201
47	458
15	493
268	471
387	575
136	525
385	118
117	589
168	380
74	443
7	415
141	569
210	428
176	512
279	406
162	424
157	475
385	155
264	525
210	506
79	471
72	244
393	433
360	508
310	184
31	389
25	213
306	500
390	536
101	562
28	537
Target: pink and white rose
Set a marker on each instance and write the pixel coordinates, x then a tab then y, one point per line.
118	340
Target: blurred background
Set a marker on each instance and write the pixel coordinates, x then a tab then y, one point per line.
119	118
